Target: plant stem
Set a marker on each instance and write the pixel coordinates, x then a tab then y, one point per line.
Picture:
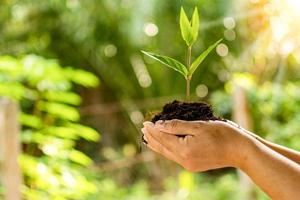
188	82
189	57
188	79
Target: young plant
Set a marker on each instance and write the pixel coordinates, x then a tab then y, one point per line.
189	32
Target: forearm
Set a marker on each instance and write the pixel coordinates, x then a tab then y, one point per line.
289	153
278	176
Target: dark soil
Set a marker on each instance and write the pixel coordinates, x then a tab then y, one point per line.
192	111
186	111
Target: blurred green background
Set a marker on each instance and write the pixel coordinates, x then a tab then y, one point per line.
83	86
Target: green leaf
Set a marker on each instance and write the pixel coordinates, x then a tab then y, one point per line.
61	131
13	90
186	29
80	158
63	97
10	66
30	120
59	110
195	24
85	132
43	137
82	77
170	62
201	57
28	165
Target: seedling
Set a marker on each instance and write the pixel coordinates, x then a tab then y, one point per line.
189	32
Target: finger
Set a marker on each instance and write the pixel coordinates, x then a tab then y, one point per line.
168	140
178	127
156	146
144	141
159	148
231	123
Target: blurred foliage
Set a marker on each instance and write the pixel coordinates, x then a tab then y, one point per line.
275	106
105	37
1	191
186	187
51	165
77	33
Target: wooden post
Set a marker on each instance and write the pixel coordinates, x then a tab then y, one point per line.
10	175
242	117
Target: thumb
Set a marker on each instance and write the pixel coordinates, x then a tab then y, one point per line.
177	127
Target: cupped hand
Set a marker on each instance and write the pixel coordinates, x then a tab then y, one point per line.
197	145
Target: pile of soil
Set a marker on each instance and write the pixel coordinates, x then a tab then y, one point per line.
191	111
186	111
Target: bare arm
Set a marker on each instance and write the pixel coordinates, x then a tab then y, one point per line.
210	145
277	175
287	152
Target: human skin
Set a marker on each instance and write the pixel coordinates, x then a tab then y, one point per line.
287	152
199	146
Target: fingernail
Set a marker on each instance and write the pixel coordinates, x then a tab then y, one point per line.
159	123
143	130
147	123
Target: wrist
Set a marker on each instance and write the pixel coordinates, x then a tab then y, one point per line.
242	148
250	149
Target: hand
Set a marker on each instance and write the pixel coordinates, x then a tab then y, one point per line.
197	145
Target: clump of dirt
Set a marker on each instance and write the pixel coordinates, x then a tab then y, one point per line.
186	111
191	111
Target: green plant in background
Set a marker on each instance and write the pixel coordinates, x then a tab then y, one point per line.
52	167
275	106
189	32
